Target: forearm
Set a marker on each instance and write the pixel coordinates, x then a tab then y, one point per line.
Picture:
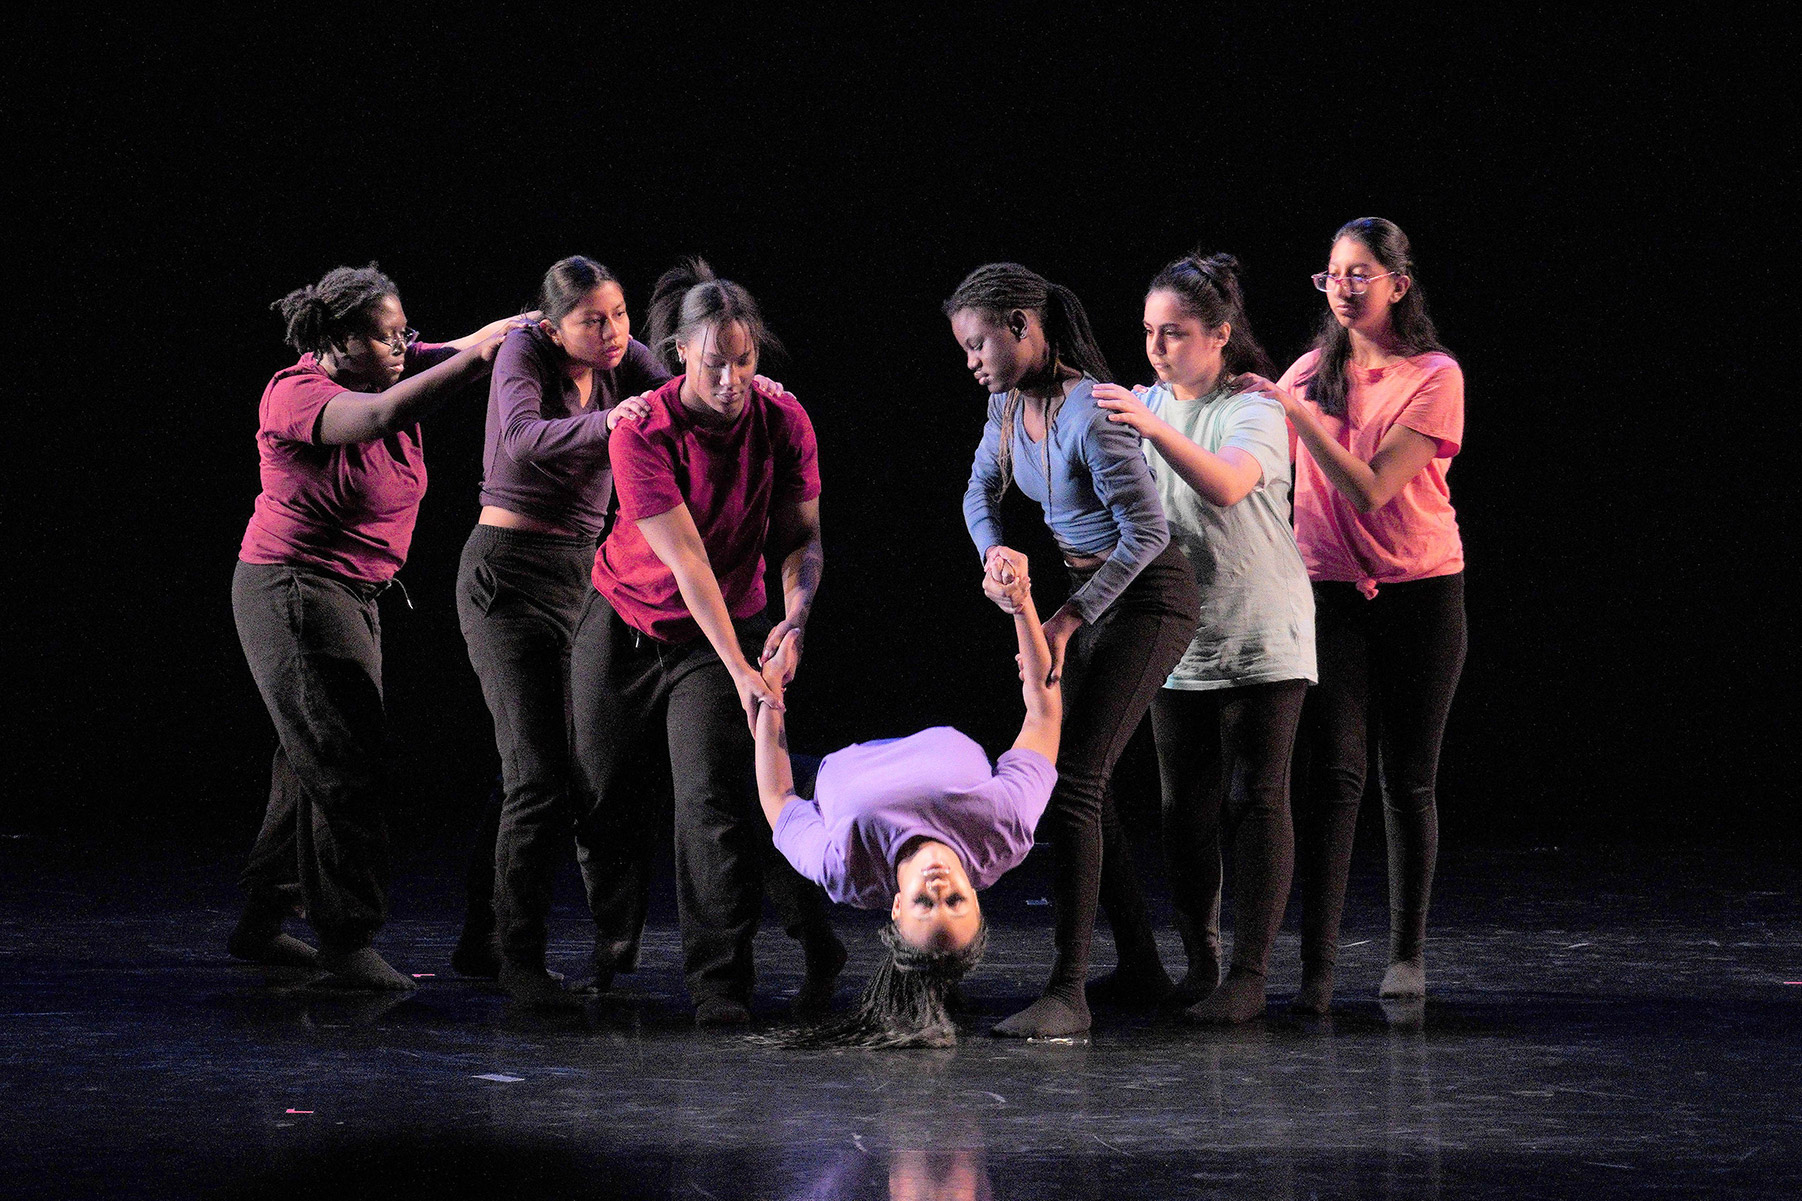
701	594
480	336
1044	704
775	773
1349	474
1215	478
802	568
364	417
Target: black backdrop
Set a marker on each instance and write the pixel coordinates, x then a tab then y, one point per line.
1599	207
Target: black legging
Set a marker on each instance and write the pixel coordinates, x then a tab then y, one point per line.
1406	647
1112	669
1223	757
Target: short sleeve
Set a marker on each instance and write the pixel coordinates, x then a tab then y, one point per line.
1437	407
801	836
295	402
1259	428
1022	788
797	455
643	476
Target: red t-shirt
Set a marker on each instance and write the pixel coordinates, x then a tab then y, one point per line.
348	509
731	478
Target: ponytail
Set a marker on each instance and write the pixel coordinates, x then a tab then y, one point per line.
689	296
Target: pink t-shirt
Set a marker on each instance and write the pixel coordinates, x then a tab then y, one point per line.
1415	535
348	509
730	477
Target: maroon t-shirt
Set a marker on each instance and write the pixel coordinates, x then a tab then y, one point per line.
730	477
348	509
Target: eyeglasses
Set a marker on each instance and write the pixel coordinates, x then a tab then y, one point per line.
399	342
1354	285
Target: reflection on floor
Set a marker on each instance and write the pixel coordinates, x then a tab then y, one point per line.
1600	1025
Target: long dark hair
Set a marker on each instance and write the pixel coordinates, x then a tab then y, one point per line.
689	296
907	1002
998	289
1207	289
567	282
322	315
1414	331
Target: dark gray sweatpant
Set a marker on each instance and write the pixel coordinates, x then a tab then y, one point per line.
313	640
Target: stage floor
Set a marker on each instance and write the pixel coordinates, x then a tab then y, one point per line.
1602	1023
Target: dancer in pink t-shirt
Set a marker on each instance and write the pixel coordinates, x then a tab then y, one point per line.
1378	409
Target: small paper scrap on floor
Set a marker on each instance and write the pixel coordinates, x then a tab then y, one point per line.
300	1111
425	975
500	1079
1039	901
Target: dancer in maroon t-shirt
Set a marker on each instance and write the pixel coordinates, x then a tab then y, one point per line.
719	470
343	473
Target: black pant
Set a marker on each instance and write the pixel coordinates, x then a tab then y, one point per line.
1405	651
620	681
1112	669
1223	757
519	597
314	644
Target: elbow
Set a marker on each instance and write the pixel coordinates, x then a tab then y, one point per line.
1367	500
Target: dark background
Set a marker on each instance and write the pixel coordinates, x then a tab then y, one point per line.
1602	208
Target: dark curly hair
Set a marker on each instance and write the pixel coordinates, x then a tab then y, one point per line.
322	315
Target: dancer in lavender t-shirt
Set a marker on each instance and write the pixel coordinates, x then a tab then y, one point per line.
918	824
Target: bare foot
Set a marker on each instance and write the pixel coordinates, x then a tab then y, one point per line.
1405	978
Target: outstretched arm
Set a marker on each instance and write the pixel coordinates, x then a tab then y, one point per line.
675	540
775	774
1044	702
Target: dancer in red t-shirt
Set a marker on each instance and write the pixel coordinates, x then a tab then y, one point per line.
720	470
343	473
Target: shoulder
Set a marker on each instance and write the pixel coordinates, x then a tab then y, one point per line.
526	348
658	428
303	378
1436	365
784	412
1300	368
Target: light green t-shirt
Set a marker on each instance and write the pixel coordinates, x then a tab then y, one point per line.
1257	609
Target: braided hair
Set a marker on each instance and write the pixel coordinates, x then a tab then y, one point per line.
322	315
689	296
1207	289
997	289
1326	382
907	1002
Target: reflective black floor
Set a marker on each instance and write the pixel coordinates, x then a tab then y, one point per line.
1601	1024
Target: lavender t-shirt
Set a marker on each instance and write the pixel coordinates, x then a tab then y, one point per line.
546	455
871	797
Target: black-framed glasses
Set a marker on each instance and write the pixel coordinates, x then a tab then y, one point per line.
399	342
1355	285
